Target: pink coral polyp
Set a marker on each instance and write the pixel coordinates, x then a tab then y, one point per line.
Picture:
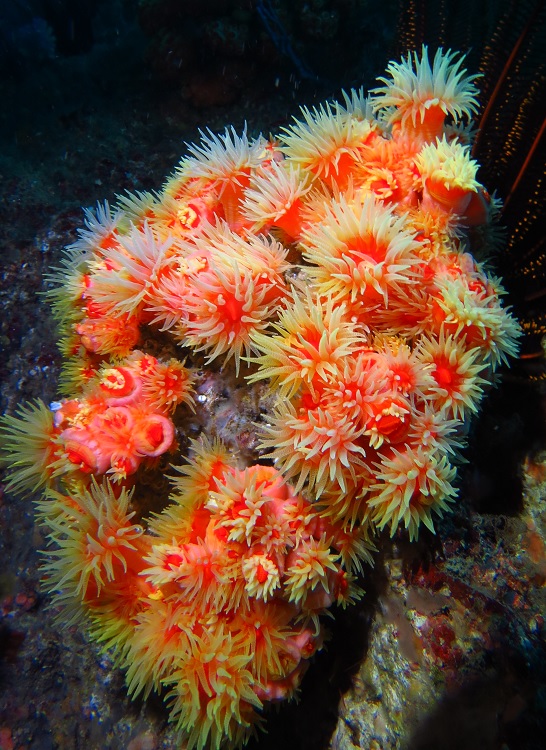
153	435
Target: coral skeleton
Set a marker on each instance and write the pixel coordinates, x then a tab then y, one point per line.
332	272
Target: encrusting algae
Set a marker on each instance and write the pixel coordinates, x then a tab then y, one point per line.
379	351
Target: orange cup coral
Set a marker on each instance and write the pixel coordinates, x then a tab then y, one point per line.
376	349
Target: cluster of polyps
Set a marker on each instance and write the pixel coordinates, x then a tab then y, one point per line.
379	351
120	420
217	601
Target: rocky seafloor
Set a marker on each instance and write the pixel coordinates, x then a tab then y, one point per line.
445	650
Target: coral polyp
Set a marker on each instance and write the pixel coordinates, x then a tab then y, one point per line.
312	336
360	252
419	95
330	275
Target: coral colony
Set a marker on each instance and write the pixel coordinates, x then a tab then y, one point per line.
332	268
